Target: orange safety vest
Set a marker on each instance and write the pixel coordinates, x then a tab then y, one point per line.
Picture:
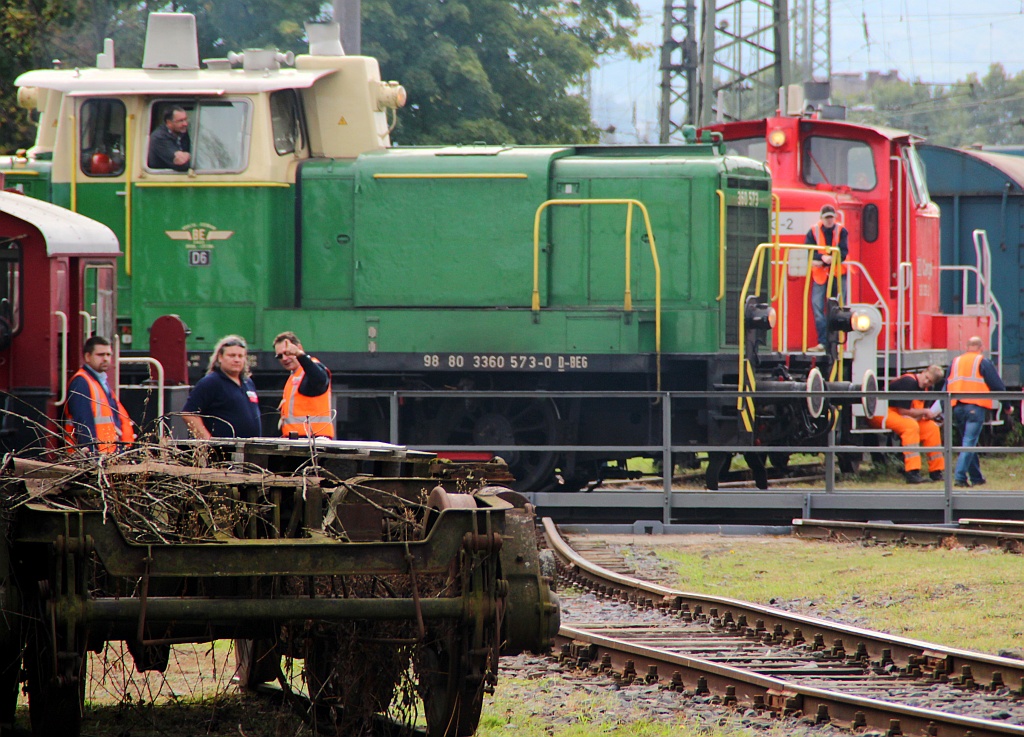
298	410
820	273
110	430
965	376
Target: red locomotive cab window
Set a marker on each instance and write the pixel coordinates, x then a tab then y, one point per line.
915	170
754	148
101	138
10	290
839	163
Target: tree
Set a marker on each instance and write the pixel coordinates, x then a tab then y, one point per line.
495	70
989	110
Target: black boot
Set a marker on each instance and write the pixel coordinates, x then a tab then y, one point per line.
915	477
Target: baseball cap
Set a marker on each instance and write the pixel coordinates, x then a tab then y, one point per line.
827	210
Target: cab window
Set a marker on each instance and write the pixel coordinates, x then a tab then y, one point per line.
287	122
101	138
218	133
918	183
10	288
754	148
839	163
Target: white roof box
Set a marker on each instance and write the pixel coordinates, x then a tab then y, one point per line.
171	42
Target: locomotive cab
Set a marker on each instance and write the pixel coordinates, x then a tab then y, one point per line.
57	287
874	179
252	120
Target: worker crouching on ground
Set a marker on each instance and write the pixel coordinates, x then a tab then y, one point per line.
915	424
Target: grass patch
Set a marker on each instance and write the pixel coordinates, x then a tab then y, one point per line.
950	595
513	709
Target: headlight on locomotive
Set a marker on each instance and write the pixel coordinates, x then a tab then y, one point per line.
847	320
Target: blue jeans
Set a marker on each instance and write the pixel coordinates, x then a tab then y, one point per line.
818	306
970	418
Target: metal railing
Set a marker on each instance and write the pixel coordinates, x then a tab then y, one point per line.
665	402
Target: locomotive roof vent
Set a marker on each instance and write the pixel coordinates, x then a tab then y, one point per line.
258	60
171	42
105	59
324	39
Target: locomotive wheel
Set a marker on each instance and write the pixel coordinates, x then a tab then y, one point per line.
56	682
511	421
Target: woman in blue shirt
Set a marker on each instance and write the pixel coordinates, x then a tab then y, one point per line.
223	404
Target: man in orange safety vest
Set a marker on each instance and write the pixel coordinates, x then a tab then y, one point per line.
915	425
826	233
971	372
94	418
306	404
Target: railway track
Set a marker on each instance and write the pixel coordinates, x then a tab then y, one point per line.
758	657
1005	534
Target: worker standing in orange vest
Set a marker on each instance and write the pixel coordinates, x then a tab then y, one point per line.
94	417
824	234
306	404
971	372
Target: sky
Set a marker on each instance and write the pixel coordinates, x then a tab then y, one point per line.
934	41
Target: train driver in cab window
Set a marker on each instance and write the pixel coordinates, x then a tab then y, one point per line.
169	145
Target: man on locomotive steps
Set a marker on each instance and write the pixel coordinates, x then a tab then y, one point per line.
169	145
971	372
915	424
94	418
824	234
306	403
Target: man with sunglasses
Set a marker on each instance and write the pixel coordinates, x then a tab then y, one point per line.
306	404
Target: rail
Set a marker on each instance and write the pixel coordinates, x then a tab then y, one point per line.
628	296
665	448
63	368
159	385
985	300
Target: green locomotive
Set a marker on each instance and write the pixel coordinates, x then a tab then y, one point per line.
487	268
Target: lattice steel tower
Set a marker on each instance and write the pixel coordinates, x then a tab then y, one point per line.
744	58
812	40
678	69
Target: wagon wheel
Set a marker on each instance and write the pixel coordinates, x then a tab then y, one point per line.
56	679
507	421
10	672
347	677
451	683
453	663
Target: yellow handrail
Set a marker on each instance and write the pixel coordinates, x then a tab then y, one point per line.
627	298
74	165
128	195
745	405
721	244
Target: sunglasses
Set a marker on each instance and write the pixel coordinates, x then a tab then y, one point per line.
279	356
